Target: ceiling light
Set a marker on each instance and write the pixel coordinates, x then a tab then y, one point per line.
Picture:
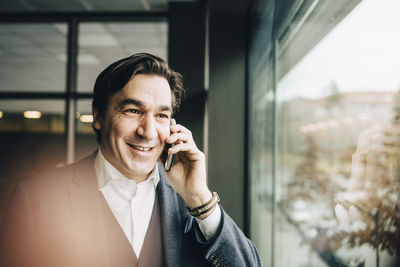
86	118
32	114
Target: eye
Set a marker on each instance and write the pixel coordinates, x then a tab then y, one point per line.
163	116
132	111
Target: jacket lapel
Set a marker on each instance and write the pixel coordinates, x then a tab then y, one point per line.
171	220
86	213
100	239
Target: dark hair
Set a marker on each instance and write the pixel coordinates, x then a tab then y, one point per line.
118	74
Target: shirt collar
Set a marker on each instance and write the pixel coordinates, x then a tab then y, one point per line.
106	172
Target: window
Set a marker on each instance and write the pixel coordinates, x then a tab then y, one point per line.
336	165
32	57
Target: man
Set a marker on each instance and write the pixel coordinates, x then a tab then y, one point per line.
119	207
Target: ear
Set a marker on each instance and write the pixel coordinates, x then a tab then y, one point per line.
96	119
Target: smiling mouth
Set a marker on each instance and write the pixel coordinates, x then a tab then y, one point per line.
141	148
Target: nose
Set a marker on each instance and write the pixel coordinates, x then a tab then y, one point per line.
147	127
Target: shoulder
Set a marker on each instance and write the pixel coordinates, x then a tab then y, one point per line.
60	176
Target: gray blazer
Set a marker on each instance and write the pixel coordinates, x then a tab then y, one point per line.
61	219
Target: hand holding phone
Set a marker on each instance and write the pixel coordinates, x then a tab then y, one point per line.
188	176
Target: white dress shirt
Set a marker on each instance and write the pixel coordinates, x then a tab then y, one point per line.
132	203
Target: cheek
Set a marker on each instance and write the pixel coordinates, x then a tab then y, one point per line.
122	127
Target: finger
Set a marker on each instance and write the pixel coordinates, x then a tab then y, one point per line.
183	147
176	137
173	121
177	128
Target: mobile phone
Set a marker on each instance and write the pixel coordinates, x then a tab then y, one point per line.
170	159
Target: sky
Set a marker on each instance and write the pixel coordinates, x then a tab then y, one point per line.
362	53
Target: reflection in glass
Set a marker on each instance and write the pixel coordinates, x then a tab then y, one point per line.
261	164
261	142
32	57
337	146
337	160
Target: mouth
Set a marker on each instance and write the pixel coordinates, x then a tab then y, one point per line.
141	148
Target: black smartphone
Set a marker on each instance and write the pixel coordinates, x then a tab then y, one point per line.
170	158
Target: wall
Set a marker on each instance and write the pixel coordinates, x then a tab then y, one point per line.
226	114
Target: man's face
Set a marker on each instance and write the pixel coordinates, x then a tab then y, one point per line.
135	125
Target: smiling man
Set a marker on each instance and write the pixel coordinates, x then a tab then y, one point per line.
119	206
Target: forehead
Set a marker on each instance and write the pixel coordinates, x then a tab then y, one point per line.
148	89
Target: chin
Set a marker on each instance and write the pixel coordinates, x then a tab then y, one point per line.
142	169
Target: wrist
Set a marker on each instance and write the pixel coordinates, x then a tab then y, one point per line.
202	211
205	215
198	199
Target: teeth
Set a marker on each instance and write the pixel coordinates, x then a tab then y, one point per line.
142	148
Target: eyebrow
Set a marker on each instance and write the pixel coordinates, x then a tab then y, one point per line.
138	103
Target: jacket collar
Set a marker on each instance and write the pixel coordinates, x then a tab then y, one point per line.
171	218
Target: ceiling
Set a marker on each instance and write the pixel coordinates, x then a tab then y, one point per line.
217	7
83	5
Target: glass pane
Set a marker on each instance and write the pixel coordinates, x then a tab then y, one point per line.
261	144
32	140
101	44
338	132
261	165
85	136
33	57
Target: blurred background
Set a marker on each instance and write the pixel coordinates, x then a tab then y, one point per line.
280	94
